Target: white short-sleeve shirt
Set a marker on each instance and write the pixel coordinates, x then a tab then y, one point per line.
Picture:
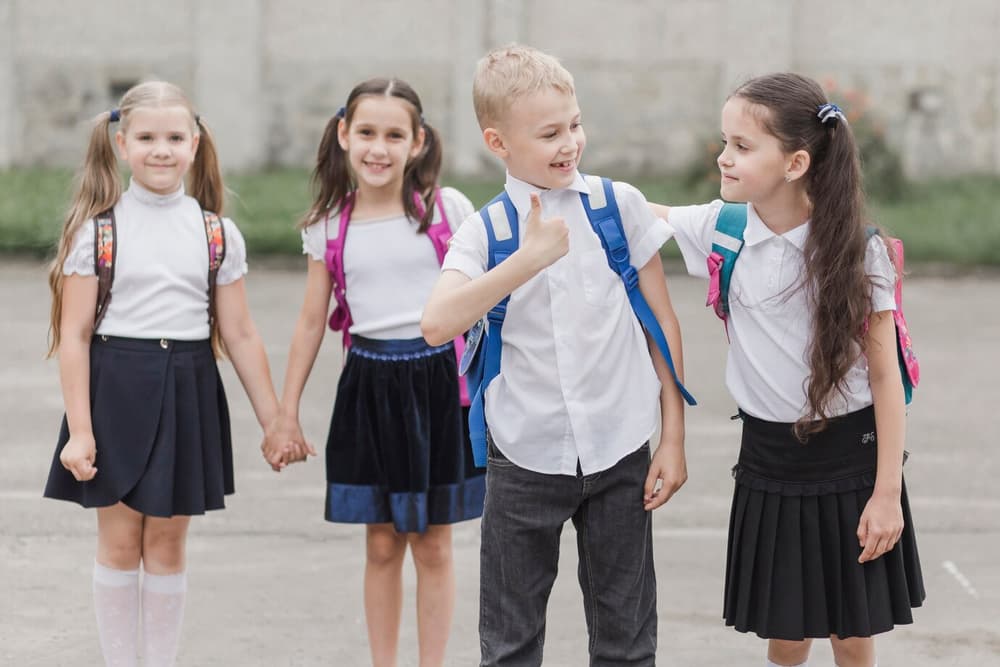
160	288
389	267
576	379
770	322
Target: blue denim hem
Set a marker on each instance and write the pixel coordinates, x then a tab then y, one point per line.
409	512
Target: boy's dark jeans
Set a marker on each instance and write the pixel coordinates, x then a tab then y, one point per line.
522	520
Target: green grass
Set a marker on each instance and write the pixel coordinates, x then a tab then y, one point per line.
952	222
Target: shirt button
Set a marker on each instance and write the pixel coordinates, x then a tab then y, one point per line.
164	344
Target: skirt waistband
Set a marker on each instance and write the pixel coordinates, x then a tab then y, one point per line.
845	448
149	344
395	349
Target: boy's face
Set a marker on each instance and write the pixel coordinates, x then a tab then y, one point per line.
541	139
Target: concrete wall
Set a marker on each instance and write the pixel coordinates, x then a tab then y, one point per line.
651	74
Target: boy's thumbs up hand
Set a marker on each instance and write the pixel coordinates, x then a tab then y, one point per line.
545	240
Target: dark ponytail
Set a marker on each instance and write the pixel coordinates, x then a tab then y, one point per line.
838	288
331	179
421	177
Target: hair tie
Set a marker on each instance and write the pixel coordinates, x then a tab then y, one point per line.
341	113
197	120
423	122
829	114
114	115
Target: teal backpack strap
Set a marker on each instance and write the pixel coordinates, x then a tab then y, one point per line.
486	339
606	220
727	243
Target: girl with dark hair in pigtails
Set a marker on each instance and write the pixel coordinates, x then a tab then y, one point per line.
821	542
398	457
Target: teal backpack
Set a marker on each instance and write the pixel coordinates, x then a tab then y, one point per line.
727	243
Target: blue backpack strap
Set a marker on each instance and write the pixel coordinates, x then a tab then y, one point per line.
727	243
606	220
500	219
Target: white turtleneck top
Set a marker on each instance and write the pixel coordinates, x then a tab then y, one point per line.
160	288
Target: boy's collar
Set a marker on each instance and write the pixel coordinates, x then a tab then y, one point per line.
757	232
520	191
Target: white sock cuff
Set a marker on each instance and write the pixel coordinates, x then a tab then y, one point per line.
774	664
164	583
107	576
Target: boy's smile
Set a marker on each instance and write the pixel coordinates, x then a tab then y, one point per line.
541	139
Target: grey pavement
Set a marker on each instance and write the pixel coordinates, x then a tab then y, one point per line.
272	584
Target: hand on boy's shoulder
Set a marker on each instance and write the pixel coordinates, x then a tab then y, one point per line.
545	240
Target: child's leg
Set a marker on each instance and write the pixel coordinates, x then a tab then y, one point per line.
523	517
615	543
116	583
435	591
853	652
164	587
788	653
385	549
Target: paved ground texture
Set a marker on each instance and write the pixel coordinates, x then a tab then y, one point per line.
272	584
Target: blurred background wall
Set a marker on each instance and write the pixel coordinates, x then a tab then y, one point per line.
651	74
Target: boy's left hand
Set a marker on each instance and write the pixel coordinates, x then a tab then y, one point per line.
668	467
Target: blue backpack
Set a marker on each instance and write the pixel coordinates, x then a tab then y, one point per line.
726	246
481	361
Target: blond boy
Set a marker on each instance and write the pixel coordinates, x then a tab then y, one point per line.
571	413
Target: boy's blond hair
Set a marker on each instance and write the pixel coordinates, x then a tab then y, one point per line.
509	72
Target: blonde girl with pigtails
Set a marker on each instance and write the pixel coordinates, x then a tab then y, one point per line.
147	291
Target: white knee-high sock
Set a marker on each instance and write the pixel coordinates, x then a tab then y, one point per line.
162	614
774	664
116	601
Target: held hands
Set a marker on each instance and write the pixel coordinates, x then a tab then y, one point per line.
881	525
668	467
78	456
545	241
284	443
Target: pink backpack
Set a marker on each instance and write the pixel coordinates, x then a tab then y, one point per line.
439	234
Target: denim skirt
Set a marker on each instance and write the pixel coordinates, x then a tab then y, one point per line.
792	566
161	424
398	450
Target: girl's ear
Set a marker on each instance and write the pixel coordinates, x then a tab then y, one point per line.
120	142
418	143
495	143
195	141
797	165
342	134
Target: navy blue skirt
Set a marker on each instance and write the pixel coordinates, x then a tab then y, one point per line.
792	566
398	450
161	424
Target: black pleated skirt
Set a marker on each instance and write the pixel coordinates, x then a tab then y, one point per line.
398	450
161	424
792	566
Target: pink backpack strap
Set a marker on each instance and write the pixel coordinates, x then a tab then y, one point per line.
907	356
440	234
340	319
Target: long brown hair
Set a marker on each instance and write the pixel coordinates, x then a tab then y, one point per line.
99	185
837	286
333	181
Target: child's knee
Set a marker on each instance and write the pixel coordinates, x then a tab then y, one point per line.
786	652
163	545
384	545
432	549
854	652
